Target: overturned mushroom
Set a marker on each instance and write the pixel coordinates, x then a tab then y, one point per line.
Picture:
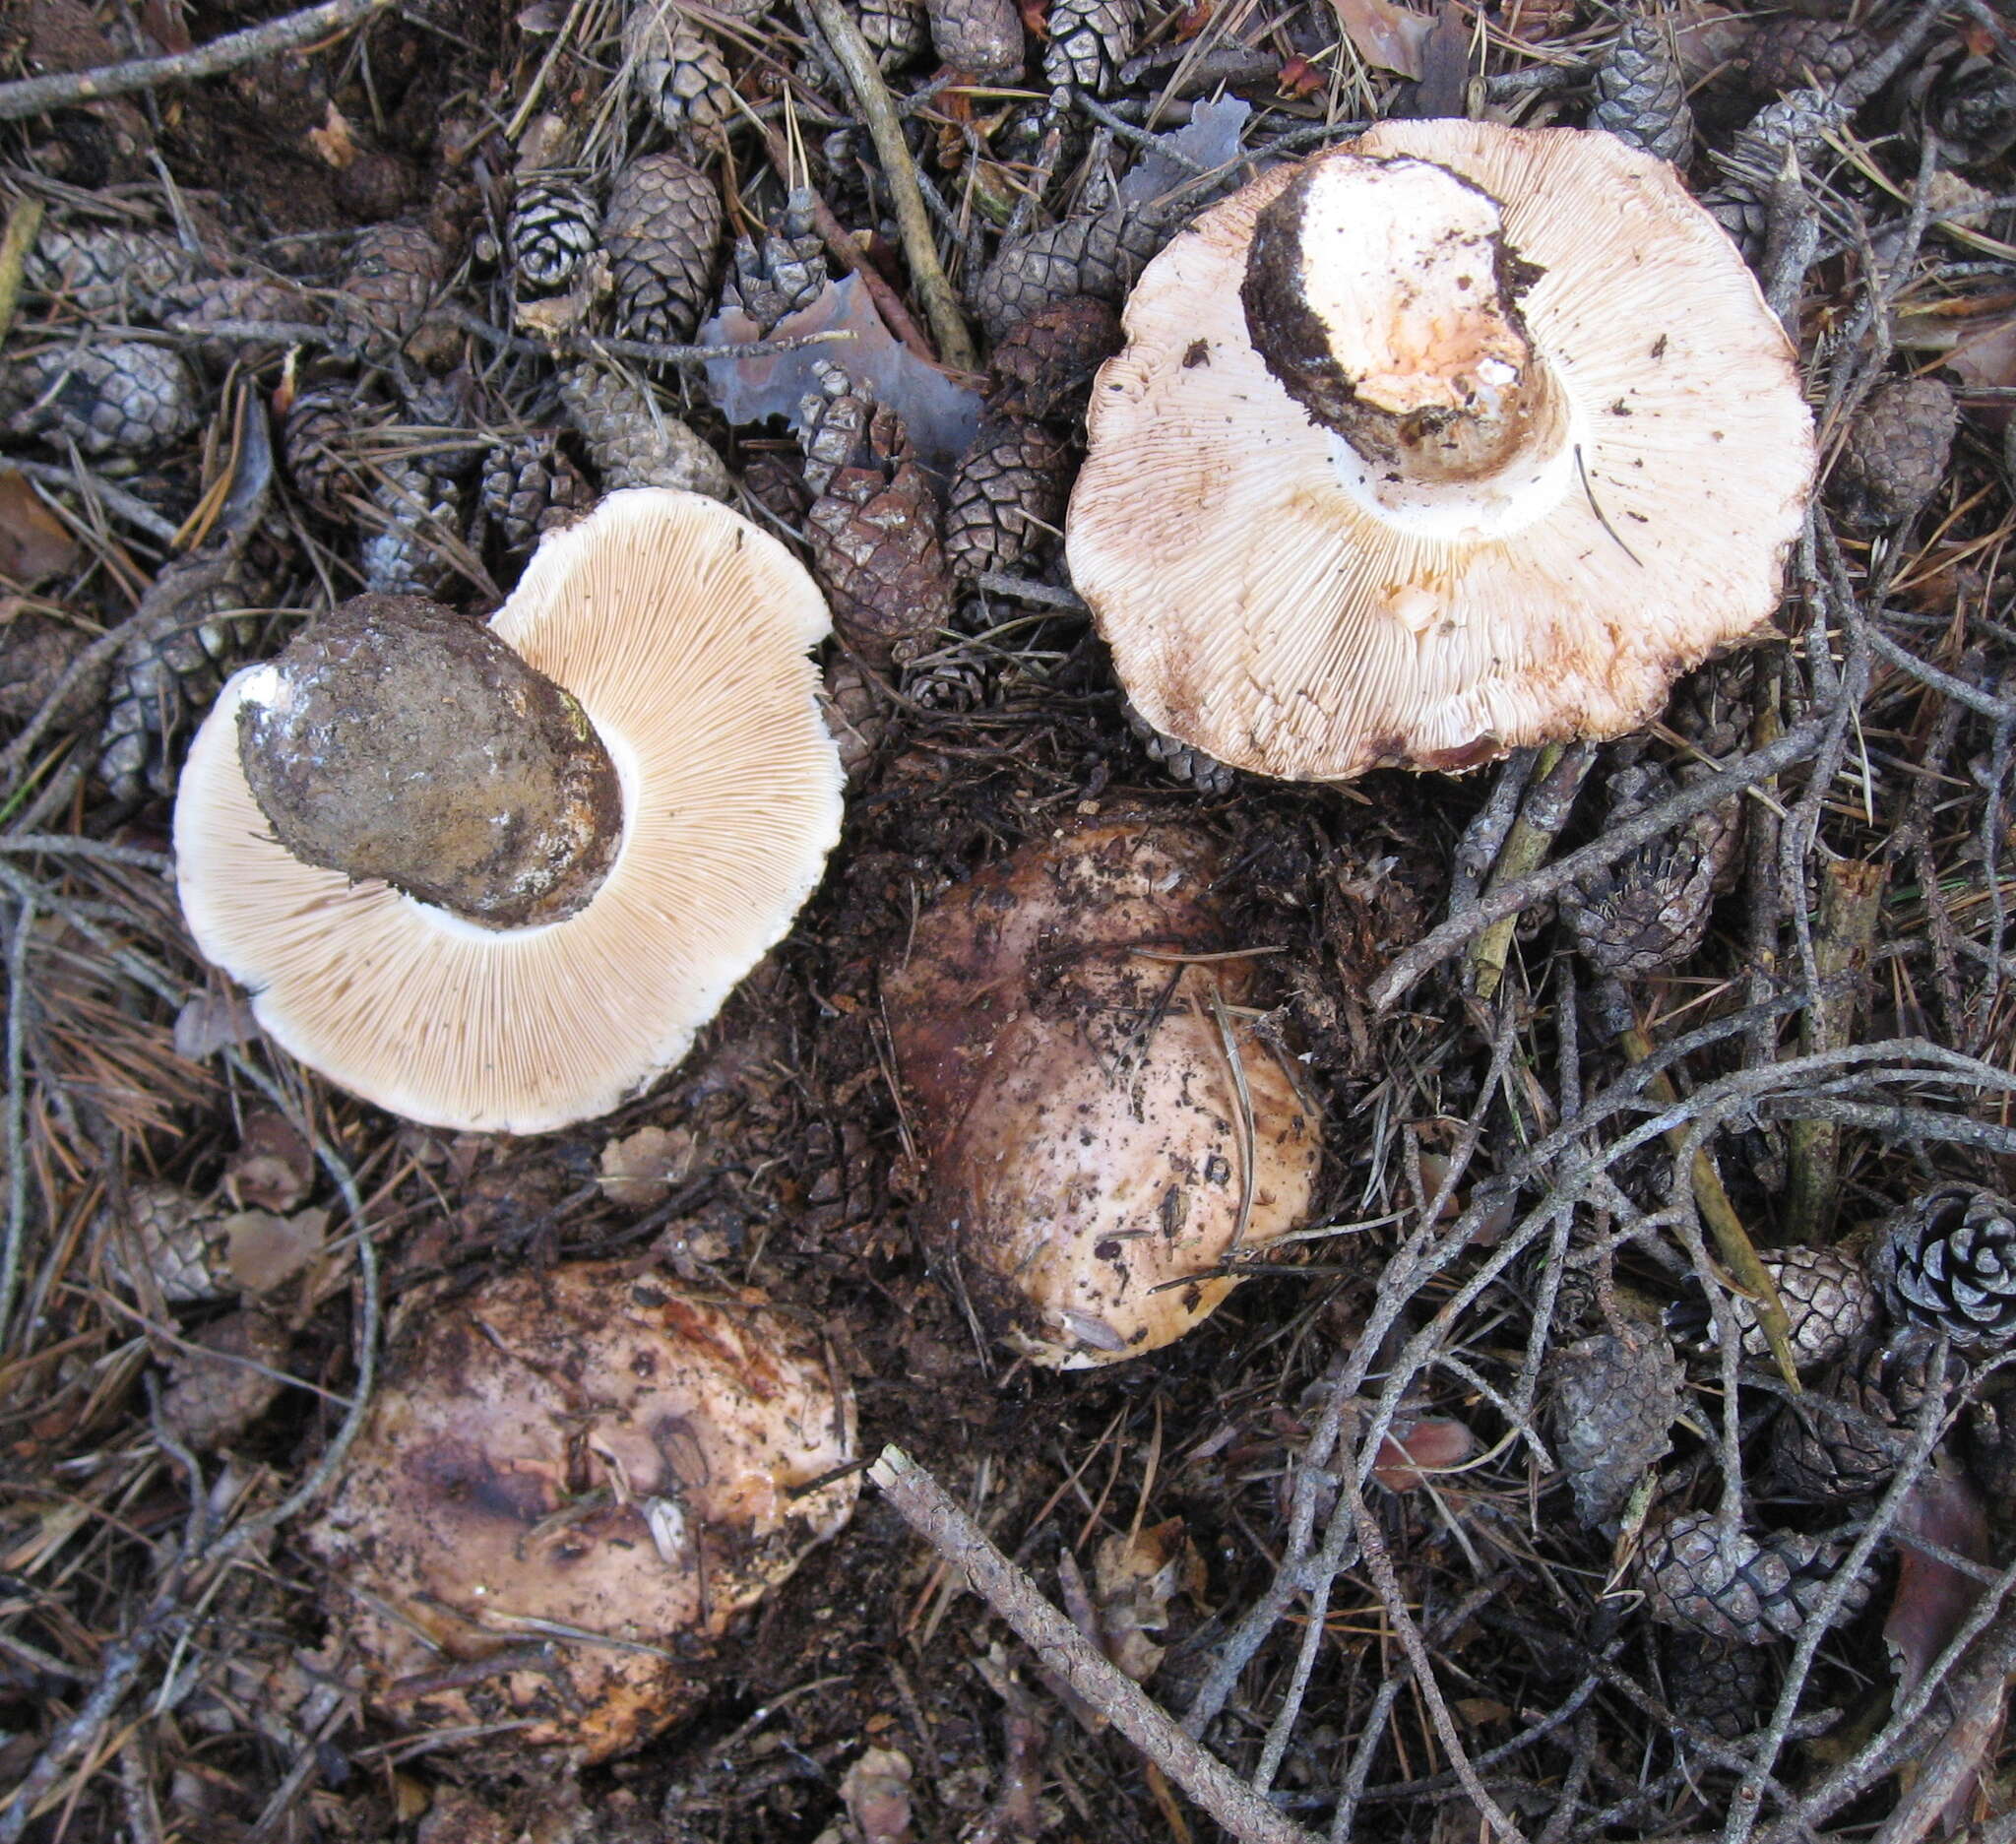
568	1489
496	877
1104	1132
1451	440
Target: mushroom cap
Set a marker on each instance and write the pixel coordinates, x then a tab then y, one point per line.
1263	605
683	631
590	1451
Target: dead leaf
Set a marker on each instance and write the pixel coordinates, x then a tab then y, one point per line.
1986	357
332	141
213	1022
1134	1579
876	1789
641	1168
1445	67
272	1168
1932	1598
34	545
1386	34
266	1252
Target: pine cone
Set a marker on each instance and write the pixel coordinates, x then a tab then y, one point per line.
1843	1441
632	442
897	31
1651	909
180	1241
952	681
394	273
978	37
1829	1300
35	652
856	715
1006	497
1897	453
1101	256
1206	773
1043	367
661	231
1699	1575
787	271
169	673
413	510
197	307
1791	53
1795	124
1947	1261
220	1385
1090	40
530	488
551	235
1976	117
1611	1403
318	445
873	525
1716	1684
1640	94
676	71
111	397
101	265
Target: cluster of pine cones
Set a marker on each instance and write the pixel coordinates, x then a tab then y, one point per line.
1879	1342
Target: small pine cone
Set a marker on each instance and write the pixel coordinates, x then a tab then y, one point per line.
99	265
318	446
1976	117
776	481
632	442
955	682
1640	94
1101	256
168	674
1947	1261
551	235
1611	1403
1796	123
180	1241
530	488
1827	1300
220	1384
1897	451
856	715
873	525
1044	366
1006	496
783	274
394	273
980	38
1716	1684
1791	53
197	307
113	397
676	71
1702	1577
35	652
897	31
1178	761
413	510
1651	909
1843	1441
661	231
1090	40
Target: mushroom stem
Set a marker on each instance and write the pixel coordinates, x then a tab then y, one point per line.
399	741
1383	297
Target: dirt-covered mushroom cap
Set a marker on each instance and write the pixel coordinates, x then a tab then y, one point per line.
681	631
578	1478
1452	440
1103	1130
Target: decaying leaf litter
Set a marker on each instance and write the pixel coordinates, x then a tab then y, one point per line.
1489	1501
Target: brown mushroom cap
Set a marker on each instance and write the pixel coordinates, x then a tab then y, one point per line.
1289	603
684	632
588	1454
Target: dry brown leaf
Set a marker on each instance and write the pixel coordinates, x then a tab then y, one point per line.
1134	1580
641	1168
266	1252
1987	357
34	544
272	1168
1932	1598
332	141
1386	34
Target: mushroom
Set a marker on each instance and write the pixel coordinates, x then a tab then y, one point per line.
1453	439
1102	1132
567	1491
497	878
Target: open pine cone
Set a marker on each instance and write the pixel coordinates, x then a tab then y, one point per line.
1705	1576
1947	1261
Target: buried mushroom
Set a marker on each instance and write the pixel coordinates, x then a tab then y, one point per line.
1451	440
567	1491
494	878
1102	1129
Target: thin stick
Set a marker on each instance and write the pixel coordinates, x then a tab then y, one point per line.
922	1504
23	224
900	174
1557	777
36	96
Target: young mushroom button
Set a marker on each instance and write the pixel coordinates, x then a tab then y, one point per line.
494	878
1451	440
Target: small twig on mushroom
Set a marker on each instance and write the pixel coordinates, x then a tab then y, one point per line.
36	96
899	173
925	1507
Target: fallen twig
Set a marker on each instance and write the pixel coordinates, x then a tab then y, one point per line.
924	1506
23	222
